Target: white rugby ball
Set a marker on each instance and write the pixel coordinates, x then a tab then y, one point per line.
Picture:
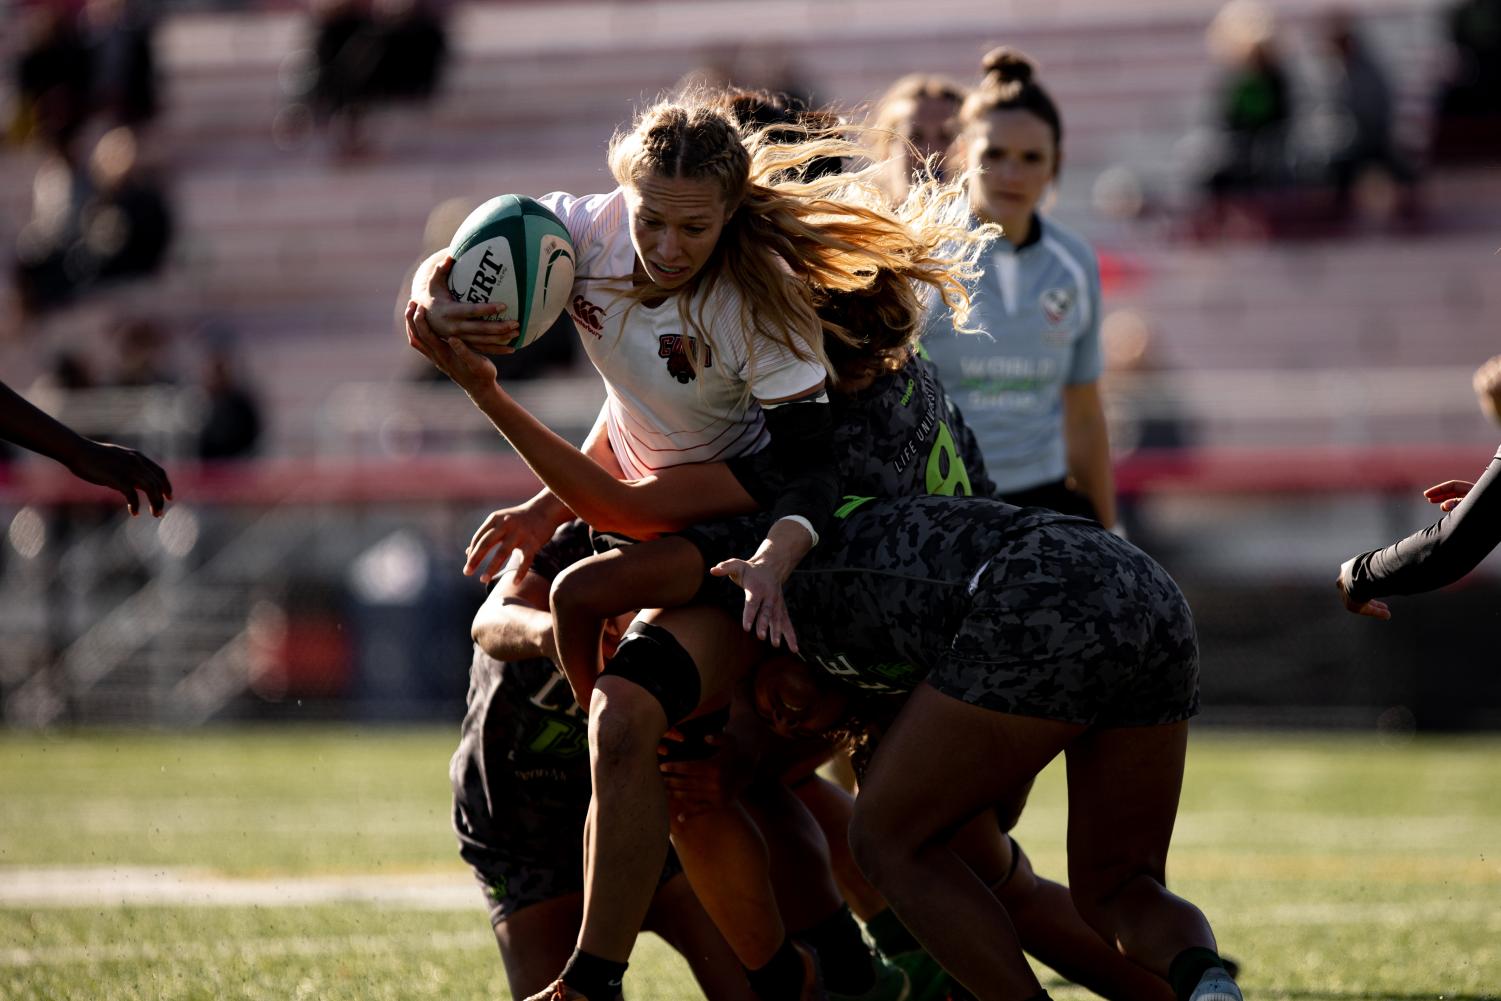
513	250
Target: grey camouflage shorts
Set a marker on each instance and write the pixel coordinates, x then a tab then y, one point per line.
1070	623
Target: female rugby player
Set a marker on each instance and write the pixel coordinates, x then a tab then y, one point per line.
722	214
521	792
1030	389
1021	633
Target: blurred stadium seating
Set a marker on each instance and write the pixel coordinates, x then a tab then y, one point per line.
1283	372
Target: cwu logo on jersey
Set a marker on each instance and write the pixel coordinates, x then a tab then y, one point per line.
675	348
1056	304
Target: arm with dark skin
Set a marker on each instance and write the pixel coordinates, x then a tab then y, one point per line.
514	623
1437	556
113	466
662	573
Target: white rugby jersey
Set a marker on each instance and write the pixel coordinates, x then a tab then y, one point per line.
659	413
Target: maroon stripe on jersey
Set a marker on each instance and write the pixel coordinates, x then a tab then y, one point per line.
729	427
752	430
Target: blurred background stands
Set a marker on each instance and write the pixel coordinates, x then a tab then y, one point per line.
1279	397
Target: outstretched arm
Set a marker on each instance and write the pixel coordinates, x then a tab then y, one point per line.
650	506
1435	557
113	466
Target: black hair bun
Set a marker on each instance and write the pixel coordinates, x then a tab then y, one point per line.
1003	64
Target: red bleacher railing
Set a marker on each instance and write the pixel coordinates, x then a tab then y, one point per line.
500	479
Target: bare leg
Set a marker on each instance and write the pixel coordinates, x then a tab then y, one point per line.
535	942
627	829
1051	929
678	917
800	860
722	851
832	807
1123	787
625	835
921	787
725	859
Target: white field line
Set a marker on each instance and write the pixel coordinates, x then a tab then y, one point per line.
178	887
246	949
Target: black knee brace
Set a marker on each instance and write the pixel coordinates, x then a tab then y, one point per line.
652	657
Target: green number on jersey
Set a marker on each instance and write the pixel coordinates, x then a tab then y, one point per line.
562	738
946	474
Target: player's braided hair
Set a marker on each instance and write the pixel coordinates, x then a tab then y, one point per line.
792	235
673	140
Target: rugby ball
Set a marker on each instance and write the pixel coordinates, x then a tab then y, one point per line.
513	250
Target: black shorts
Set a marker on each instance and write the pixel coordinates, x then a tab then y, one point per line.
521	785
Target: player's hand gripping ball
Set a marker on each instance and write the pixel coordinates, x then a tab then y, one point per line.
513	251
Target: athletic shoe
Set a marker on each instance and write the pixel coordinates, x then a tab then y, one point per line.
1216	985
927	981
559	991
891	985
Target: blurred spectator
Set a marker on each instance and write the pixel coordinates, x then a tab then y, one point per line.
121	36
736	67
144	358
231	426
1254	105
1364	99
922	109
127	224
344	59
66	371
109	221
45	276
1488	388
1469	111
54	74
370	51
412	48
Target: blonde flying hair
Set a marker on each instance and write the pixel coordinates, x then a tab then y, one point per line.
792	236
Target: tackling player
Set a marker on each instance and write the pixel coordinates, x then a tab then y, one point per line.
521	792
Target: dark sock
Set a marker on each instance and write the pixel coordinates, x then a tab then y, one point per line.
595	978
1188	969
848	967
1041	995
890	935
779	979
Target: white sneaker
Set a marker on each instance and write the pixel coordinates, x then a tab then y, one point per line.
1216	985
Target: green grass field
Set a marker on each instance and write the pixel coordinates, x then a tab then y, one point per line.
1333	868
